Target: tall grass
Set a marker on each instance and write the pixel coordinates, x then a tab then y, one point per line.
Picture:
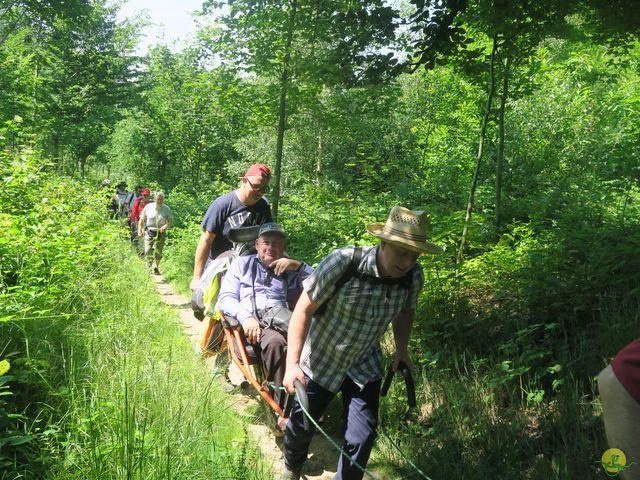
102	383
141	405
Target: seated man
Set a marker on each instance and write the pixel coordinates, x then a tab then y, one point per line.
256	286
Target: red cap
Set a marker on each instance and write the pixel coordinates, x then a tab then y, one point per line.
146	191
258	170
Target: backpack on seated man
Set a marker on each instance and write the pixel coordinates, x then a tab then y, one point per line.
203	303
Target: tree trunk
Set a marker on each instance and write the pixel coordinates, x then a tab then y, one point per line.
483	131
500	161
34	113
282	114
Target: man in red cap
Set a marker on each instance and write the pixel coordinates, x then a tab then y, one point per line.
136	210
242	207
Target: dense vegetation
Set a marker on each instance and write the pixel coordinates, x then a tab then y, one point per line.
520	139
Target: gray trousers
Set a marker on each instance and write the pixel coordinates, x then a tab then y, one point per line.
273	350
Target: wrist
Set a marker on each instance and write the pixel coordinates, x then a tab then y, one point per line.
299	266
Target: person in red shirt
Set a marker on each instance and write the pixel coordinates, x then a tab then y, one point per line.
619	387
138	205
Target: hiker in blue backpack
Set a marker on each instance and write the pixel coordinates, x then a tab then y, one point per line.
335	331
259	291
122	202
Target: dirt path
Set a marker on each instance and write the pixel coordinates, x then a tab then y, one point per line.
323	458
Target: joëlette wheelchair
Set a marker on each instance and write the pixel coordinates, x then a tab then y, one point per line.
227	333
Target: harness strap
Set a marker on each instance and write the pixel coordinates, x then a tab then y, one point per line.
352	271
254	271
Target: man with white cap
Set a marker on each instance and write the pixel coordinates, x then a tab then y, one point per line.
335	331
257	287
155	219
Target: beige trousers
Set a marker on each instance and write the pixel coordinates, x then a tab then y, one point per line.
149	253
621	414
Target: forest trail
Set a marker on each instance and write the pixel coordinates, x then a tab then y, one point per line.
323	458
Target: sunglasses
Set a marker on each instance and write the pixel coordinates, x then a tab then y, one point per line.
258	188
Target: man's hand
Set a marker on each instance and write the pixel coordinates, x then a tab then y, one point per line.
139	233
164	228
397	358
194	283
292	374
252	330
283	264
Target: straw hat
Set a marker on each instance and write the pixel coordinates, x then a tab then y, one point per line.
405	228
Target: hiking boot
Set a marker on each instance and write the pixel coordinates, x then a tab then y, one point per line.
156	271
290	474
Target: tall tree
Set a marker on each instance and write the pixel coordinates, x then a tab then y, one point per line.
301	43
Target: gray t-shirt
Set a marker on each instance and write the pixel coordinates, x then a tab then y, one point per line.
154	217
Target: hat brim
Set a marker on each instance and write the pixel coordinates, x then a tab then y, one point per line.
377	230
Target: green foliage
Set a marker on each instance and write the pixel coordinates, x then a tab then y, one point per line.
66	73
103	382
506	345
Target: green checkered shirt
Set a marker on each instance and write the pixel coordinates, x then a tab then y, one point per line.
345	339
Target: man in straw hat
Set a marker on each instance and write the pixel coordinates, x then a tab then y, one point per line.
335	331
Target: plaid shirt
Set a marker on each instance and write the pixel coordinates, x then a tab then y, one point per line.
345	339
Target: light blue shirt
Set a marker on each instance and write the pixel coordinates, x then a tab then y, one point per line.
238	286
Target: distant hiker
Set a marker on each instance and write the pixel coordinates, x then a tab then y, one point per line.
334	334
619	387
260	291
142	201
156	218
122	201
137	193
244	206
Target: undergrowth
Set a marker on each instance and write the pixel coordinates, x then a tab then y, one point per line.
97	379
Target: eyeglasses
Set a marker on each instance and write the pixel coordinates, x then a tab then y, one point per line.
258	188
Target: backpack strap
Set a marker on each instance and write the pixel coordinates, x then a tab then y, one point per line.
254	273
352	272
348	274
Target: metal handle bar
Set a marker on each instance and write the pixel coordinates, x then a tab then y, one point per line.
408	380
304	400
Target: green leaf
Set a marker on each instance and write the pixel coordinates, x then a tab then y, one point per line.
5	366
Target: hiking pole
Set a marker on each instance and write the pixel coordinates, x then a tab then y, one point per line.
304	401
403	368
